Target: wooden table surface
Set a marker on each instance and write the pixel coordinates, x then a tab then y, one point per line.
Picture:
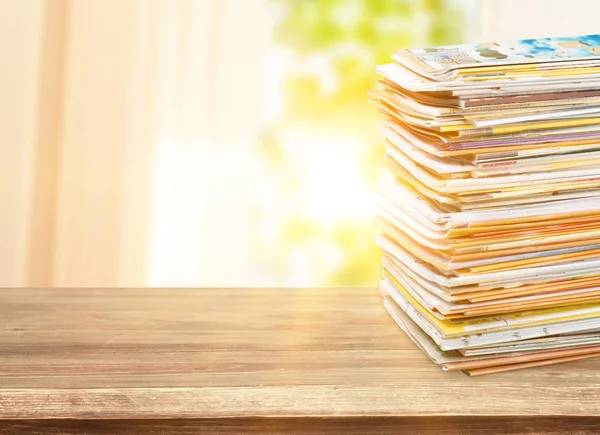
256	361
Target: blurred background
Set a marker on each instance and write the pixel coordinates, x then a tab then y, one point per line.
210	142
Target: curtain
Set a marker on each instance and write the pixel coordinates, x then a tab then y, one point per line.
111	113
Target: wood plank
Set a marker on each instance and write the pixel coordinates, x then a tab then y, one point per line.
315	425
244	357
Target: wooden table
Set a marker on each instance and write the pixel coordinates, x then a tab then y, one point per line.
258	361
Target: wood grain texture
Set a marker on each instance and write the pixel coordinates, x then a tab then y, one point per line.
446	425
267	361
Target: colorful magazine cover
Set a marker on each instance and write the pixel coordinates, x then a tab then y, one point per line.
524	51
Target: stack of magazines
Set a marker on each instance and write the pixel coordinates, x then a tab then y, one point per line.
489	213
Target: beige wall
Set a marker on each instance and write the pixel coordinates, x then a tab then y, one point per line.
511	19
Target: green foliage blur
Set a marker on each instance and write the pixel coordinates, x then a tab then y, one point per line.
351	37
